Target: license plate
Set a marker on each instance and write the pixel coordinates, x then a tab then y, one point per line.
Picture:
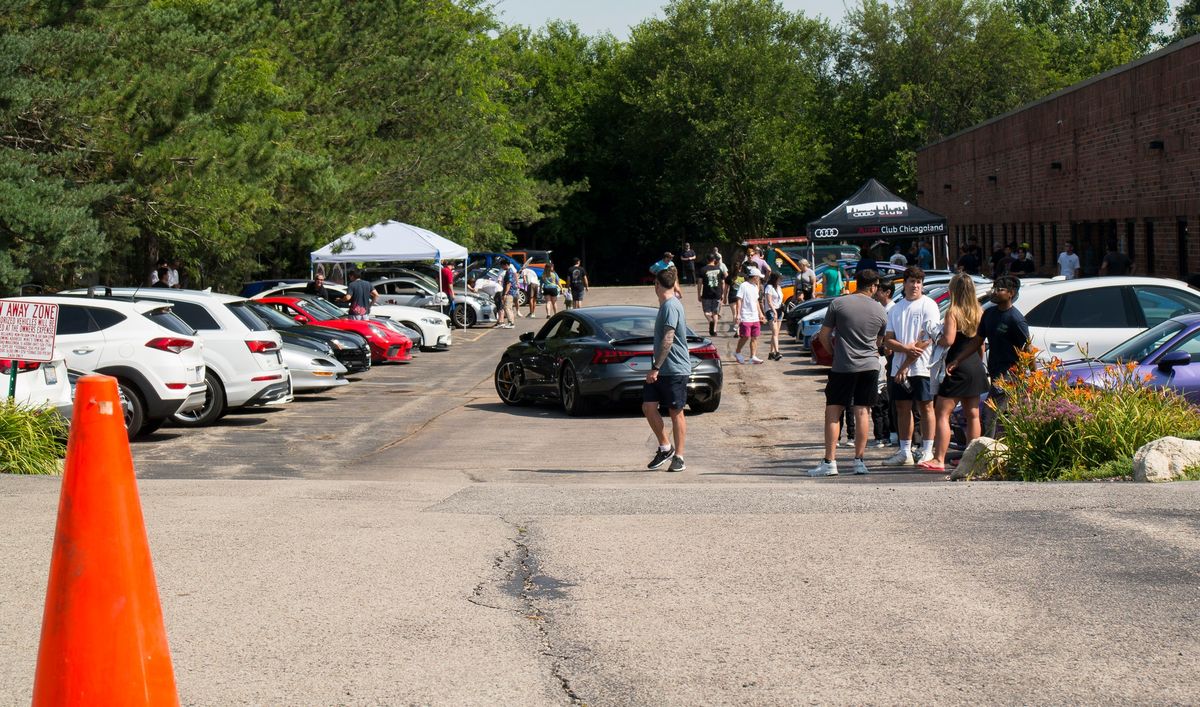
50	374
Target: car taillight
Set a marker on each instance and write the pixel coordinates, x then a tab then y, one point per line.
709	352
605	356
257	346
170	344
6	366
258	379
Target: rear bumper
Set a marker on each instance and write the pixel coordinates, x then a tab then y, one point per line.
702	386
195	399
276	392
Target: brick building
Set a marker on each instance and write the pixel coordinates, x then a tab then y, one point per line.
1114	158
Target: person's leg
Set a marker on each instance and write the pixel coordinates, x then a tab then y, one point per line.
862	416
904	423
654	417
833	429
943	408
678	430
927	424
754	346
741	342
970	408
775	335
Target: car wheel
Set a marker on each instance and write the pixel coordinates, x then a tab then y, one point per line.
132	408
709	405
151	426
211	411
573	400
467	311
522	298
508	383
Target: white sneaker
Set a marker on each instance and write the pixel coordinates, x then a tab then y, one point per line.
824	469
755	359
860	467
926	457
740	358
881	443
900	459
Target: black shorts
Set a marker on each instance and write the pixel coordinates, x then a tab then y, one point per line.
576	295
860	388
667	391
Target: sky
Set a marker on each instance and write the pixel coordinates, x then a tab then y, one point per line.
617	16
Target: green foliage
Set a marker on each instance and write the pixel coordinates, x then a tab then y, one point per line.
1055	430
1191	473
1187	20
31	439
1112	469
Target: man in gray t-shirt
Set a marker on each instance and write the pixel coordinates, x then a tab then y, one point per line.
859	323
670	369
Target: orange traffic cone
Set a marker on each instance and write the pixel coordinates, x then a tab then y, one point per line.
103	639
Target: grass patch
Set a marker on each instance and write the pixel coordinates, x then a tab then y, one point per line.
1191	473
1115	469
32	440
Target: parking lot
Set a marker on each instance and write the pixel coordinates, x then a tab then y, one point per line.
410	539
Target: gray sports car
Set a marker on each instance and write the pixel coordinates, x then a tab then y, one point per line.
599	354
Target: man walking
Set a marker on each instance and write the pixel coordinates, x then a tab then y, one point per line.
577	278
1068	262
750	316
909	325
512	301
854	378
709	290
1115	262
362	295
688	256
667	379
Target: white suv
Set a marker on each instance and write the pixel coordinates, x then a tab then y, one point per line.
41	384
244	364
158	363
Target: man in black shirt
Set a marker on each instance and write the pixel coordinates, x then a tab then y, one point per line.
1115	262
709	292
577	279
969	262
317	287
1021	265
688	258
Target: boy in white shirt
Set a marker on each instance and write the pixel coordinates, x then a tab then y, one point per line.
908	325
750	316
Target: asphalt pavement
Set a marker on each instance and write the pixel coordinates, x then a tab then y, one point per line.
408	539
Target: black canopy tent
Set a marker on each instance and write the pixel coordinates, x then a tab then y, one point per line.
875	213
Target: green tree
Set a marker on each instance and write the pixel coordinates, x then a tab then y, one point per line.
1187	20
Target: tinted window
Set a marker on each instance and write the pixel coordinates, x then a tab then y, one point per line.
550	329
74	320
1161	303
164	318
195	315
247	317
1142	345
1043	314
1096	308
105	318
1191	345
568	328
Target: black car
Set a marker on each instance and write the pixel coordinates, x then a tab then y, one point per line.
350	349
791	320
598	354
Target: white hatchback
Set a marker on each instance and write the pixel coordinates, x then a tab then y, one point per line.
244	364
1071	319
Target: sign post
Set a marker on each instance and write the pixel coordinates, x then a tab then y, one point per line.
26	334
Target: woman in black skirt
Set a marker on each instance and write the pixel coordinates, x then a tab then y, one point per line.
969	379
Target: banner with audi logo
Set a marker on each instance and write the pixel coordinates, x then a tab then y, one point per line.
825	233
875	212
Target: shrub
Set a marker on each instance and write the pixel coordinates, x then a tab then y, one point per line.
32	440
1055	429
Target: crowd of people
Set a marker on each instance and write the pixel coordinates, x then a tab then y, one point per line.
544	287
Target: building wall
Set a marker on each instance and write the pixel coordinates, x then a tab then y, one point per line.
1115	156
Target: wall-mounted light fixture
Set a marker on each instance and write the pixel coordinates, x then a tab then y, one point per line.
991	178
1156	144
1056	165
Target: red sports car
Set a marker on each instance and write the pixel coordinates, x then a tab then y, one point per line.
386	345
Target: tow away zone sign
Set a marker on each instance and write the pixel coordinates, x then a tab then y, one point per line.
27	330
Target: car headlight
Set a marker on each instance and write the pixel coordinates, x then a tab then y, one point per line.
339	344
433	321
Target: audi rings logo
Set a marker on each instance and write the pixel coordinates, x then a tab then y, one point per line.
825	233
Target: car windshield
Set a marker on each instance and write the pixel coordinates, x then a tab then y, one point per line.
244	314
630	326
1135	350
273	318
318	305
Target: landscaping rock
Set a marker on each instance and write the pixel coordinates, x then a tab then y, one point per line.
1165	459
980	460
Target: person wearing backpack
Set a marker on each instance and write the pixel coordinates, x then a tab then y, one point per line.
577	278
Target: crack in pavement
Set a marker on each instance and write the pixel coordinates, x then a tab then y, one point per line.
520	579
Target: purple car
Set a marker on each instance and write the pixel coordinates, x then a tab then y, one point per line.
1169	353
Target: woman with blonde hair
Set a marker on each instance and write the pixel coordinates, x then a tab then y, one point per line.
968	381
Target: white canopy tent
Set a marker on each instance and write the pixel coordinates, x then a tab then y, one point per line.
391	242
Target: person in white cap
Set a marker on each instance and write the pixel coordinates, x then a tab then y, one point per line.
750	316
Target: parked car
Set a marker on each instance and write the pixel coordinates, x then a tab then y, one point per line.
350	349
595	354
1072	319
244	367
432	327
156	358
41	384
386	345
1168	353
414	290
312	369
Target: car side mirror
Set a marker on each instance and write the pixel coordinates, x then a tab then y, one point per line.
301	319
527	336
1176	358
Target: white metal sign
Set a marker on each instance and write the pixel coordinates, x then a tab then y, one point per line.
27	330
